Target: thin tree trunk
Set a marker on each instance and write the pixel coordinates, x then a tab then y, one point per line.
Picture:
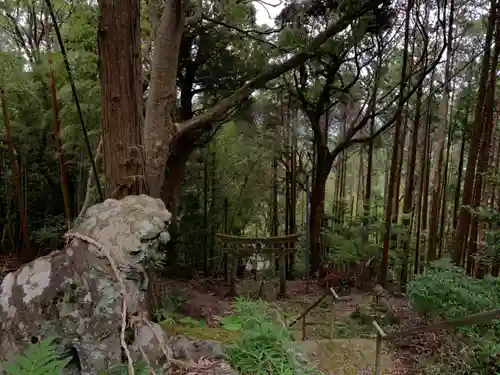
442	225
460	168
408	207
424	186
484	152
464	218
28	253
395	150
88	191
57	135
437	185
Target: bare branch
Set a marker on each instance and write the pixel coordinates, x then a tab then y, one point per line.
246	33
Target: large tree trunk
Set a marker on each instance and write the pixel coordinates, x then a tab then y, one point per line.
323	165
121	97
159	126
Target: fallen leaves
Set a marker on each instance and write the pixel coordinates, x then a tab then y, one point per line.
201	367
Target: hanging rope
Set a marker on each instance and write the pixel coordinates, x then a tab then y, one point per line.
75	98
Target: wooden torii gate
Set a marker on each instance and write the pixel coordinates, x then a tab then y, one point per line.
236	246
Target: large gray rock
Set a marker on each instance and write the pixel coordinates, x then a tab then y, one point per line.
74	294
206	357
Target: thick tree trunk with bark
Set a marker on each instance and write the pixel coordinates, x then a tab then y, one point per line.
159	126
323	166
121	97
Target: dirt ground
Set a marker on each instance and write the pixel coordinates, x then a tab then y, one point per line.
205	299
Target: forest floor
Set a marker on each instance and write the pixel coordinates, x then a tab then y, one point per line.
339	336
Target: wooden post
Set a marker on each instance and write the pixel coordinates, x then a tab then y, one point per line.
282	261
335	297
332	323
304	327
234	269
378	348
226	271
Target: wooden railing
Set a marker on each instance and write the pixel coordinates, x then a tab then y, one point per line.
481	318
329	292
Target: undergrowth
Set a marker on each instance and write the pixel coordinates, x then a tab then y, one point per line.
42	358
446	292
265	345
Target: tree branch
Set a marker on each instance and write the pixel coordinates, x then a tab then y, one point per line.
223	106
349	141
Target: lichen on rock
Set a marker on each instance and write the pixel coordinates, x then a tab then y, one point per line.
74	294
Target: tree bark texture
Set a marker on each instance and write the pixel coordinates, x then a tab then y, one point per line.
121	97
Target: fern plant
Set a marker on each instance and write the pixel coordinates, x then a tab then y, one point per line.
47	358
42	358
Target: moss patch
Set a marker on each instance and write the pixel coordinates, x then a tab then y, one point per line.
344	356
203	333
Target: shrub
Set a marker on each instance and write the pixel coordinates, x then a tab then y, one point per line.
446	292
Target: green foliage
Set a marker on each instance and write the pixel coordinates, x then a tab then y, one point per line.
489	254
187	320
446	292
352	241
140	368
291	38
265	345
42	358
47	358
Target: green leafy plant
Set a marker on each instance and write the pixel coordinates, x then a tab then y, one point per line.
187	320
42	358
446	292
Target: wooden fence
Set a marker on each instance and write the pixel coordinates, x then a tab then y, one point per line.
329	292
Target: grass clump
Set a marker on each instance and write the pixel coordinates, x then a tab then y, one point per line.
265	345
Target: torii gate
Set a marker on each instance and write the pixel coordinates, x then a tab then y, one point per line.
246	246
